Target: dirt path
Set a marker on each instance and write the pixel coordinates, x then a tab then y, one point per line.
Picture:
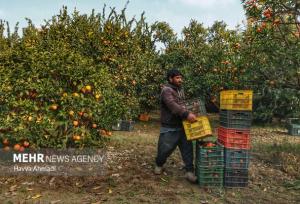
273	174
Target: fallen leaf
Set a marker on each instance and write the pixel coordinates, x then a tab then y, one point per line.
55	201
27	183
13	188
51	180
109	191
36	196
97	187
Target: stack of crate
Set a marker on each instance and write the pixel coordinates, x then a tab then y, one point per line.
209	164
234	134
209	156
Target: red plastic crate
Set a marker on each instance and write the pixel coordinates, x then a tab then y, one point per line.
234	138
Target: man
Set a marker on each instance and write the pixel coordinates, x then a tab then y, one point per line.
171	131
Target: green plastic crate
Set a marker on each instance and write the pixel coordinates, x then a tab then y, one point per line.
210	177
209	157
293	126
294	129
196	106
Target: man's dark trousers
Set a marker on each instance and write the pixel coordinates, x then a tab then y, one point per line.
168	142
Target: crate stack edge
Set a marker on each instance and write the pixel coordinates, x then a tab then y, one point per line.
234	134
209	165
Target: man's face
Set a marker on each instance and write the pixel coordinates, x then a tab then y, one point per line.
176	80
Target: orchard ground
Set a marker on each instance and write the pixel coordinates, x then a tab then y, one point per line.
274	174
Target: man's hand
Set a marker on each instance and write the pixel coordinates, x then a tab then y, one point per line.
191	118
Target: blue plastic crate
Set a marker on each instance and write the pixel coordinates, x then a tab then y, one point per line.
236	158
235	177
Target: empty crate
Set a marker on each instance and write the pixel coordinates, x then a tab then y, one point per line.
199	129
236	158
235	177
235	119
236	100
123	125
293	126
127	125
234	138
208	177
196	106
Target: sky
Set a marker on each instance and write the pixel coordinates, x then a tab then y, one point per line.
177	13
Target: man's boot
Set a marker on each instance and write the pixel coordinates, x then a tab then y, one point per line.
158	170
190	177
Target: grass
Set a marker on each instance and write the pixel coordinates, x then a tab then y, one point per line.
285	146
295	185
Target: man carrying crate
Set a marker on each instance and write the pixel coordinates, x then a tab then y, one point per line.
171	132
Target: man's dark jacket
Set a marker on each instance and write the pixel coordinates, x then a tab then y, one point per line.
172	107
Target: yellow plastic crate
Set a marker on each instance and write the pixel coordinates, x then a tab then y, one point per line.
236	100
197	130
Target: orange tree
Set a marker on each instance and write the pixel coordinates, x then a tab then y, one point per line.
53	93
272	57
67	82
209	58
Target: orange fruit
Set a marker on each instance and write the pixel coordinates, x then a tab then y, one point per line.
83	90
53	107
17	147
259	30
71	113
88	88
108	133
97	96
75	94
65	94
75	123
102	132
76	137
6	148
210	144
21	149
80	113
94	125
26	144
5	141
